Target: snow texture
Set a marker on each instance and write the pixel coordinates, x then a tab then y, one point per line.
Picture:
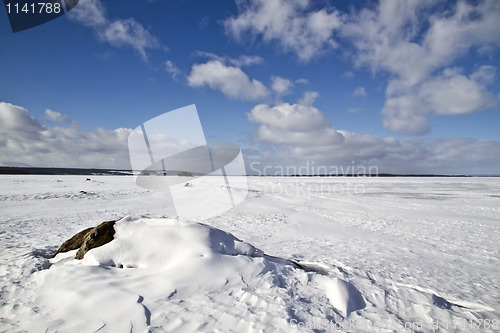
366	255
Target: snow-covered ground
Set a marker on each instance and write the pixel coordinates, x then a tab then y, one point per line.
381	255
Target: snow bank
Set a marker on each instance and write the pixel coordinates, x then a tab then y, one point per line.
210	279
165	244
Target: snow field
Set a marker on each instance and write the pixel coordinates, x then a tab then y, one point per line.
423	254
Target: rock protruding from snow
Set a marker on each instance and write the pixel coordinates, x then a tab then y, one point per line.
164	274
166	243
74	242
88	239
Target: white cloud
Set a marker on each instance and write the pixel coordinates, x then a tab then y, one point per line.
453	93
117	32
203	23
394	36
230	80
347	75
129	33
16	122
302	81
309	98
291	117
230	69
172	69
90	13
246	60
281	85
297	134
449	93
292	23
295	125
484	75
243	60
405	114
359	91
56	117
24	140
412	40
300	132
288	134
458	154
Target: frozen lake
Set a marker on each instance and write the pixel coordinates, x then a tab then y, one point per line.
424	254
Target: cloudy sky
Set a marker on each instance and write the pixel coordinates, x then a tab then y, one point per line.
404	85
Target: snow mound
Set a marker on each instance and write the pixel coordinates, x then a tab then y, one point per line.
165	244
342	295
160	275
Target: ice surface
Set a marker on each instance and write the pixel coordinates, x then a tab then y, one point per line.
380	254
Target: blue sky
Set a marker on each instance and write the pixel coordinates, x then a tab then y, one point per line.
407	86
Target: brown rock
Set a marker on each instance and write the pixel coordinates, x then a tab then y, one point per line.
88	239
74	242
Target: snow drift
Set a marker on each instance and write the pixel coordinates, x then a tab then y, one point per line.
156	266
423	254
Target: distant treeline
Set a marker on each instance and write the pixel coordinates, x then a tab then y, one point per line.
60	171
90	172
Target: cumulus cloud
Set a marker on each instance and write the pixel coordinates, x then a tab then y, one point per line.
394	36
291	117
288	135
453	93
347	75
297	125
172	69
117	32
296	26
56	117
415	42
359	91
406	114
24	140
16	122
230	80
309	98
243	60
128	32
485	75
481	157
281	86
298	134
90	13
446	94
246	60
